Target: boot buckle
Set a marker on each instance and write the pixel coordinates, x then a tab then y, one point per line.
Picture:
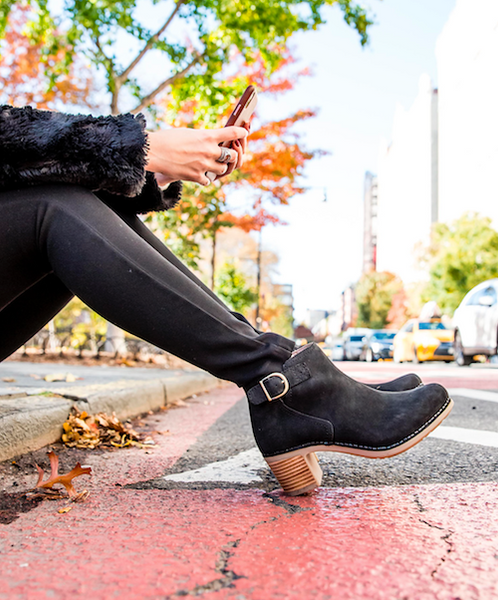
267	393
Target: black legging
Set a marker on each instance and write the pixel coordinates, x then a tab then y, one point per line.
57	241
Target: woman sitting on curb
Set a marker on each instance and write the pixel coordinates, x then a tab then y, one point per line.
71	187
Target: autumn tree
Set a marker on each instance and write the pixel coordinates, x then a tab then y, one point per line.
23	64
374	295
461	255
275	303
398	312
194	49
272	172
190	41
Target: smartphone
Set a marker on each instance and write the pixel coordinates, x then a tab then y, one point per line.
240	116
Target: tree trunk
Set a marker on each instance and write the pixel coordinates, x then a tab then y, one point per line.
115	340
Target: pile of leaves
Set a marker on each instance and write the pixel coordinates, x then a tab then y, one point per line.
83	430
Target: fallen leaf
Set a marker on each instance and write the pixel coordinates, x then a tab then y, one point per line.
65	480
82	430
177	403
65	509
67	377
54	377
81	496
8	379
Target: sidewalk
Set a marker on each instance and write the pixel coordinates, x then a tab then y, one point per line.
32	409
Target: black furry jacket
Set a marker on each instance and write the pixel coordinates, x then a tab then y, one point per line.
104	154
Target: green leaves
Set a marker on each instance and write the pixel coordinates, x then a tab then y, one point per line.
232	287
461	255
214	30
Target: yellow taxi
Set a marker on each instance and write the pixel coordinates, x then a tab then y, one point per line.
423	339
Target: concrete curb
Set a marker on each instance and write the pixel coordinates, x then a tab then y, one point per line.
29	421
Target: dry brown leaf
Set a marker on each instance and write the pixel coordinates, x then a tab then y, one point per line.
8	379
82	430
65	509
65	480
81	497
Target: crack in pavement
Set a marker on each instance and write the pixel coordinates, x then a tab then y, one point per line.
221	566
445	538
226	552
418	503
290	508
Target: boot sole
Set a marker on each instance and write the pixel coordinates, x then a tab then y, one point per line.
298	471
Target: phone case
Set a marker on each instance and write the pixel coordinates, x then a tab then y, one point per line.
240	116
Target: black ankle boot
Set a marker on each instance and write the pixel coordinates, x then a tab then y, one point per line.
406	382
312	406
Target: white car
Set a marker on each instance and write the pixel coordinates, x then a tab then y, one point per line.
476	323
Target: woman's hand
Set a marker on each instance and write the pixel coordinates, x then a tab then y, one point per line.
188	154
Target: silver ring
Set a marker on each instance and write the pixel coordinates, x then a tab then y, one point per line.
225	156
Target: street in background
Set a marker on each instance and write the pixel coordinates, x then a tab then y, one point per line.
476	323
421	340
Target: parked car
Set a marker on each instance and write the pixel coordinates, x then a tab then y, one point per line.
378	344
475	323
353	344
337	351
333	349
421	340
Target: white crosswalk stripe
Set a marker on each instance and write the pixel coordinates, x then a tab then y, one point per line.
474	394
242	468
467	436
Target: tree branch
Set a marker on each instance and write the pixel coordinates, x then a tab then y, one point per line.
107	60
124	75
111	74
147	100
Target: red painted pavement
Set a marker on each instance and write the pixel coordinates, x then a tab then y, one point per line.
414	543
451	376
419	542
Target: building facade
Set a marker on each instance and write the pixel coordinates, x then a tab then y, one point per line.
370	199
408	185
467	53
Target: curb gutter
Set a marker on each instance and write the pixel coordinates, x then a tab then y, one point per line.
31	420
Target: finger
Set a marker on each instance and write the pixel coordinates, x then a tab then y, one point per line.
233	165
203	180
243	143
227	171
218	168
230	169
220	151
240	155
228	134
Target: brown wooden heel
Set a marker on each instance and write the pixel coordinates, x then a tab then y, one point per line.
297	475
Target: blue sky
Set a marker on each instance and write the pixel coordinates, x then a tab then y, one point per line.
355	90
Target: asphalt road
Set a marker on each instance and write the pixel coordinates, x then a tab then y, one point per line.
463	449
201	515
